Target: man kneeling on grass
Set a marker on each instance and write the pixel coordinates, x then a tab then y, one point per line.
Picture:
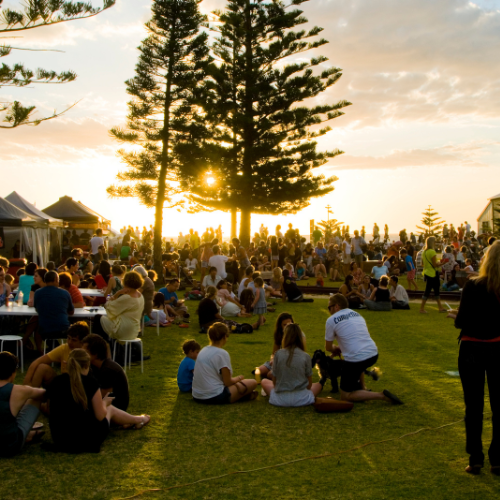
19	408
358	349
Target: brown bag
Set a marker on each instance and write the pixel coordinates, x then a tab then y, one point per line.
330	405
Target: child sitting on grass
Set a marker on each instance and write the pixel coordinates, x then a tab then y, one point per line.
185	372
158	312
213	383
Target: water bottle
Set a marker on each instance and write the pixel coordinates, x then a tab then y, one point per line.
108	298
20	298
10	300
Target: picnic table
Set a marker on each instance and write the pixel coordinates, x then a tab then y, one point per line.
91	292
82	313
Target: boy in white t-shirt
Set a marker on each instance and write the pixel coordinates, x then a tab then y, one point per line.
358	349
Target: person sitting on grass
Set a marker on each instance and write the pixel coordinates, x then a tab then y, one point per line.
291	384
76	402
380	299
19	408
399	297
451	284
290	290
283	320
358	349
301	270
40	373
357	273
211	279
172	300
109	374
230	306
158	313
350	293
213	382
185	373
469	269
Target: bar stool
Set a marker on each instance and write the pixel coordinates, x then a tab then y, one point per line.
128	350
19	344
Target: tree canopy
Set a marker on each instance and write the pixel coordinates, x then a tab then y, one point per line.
34	14
260	138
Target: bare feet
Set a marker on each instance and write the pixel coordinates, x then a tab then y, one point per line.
145	419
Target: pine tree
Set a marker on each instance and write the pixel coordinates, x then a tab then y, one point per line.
432	224
37	13
171	65
261	141
329	227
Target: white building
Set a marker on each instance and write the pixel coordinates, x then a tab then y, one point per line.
485	220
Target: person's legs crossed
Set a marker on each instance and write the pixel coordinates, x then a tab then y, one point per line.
267	385
26	418
235	389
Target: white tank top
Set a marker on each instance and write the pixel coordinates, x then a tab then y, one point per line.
348	248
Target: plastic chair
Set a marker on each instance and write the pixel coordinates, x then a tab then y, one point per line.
128	350
19	344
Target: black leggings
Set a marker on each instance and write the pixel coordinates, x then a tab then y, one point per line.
477	361
432	284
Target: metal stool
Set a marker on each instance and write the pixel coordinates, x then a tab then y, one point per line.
19	343
128	349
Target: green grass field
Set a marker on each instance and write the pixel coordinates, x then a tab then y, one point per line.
186	442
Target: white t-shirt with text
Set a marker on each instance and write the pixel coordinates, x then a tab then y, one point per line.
350	330
95	243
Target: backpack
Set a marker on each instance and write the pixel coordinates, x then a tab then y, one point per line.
242	328
194	295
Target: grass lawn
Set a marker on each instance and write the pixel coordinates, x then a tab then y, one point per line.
186	442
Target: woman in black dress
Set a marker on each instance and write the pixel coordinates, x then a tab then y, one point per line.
478	319
79	416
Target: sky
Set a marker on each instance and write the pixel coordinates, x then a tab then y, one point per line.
423	129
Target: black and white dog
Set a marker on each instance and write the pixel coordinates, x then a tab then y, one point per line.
330	368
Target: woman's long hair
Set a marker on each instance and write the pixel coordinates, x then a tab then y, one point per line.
105	270
292	338
347	281
278	329
489	272
430	243
210	292
78	360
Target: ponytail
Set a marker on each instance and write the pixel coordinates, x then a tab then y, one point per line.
78	360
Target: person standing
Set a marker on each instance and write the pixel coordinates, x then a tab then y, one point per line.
478	319
357	247
431	272
95	242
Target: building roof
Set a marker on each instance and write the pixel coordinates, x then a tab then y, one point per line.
17	200
72	211
10	215
495	197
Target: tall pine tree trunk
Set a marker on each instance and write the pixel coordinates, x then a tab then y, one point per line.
234	221
248	132
245	221
160	195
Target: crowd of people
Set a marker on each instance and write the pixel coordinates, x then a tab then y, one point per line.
234	281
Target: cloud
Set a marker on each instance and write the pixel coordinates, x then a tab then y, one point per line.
464	155
412	61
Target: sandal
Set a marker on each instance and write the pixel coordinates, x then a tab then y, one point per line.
37	426
142	424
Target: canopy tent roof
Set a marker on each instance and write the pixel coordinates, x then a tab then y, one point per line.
10	215
494	197
73	211
17	200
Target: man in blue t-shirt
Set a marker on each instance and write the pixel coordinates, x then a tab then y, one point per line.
174	305
185	373
378	271
53	305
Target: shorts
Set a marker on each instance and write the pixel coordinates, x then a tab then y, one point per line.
303	397
410	275
432	284
347	259
204	264
244	263
351	373
224	398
